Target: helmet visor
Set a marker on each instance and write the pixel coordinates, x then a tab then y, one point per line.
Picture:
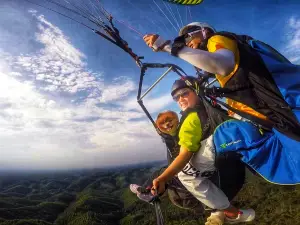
192	29
189	36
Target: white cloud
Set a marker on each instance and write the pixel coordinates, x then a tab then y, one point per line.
38	129
57	45
152	104
120	88
37	132
292	50
58	66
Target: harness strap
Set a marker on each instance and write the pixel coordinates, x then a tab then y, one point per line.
265	124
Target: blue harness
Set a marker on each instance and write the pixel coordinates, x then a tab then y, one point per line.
271	154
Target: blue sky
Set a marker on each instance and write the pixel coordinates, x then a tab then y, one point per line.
68	97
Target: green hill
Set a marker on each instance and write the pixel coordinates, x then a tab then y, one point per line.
102	197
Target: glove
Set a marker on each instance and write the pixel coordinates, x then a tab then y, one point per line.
159	44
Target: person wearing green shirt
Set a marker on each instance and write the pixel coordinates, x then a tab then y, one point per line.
196	159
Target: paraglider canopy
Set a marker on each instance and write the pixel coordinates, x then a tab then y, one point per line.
185	2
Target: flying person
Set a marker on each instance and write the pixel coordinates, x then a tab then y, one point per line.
240	70
246	80
203	135
195	161
193	164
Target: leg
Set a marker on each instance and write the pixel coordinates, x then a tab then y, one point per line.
209	194
182	198
231	174
204	190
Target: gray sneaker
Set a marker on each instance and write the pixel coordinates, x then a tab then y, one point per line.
145	197
136	189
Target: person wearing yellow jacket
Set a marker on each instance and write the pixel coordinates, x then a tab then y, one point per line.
238	68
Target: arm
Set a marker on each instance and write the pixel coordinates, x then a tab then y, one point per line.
219	62
177	165
189	141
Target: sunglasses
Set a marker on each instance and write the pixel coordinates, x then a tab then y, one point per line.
184	93
189	36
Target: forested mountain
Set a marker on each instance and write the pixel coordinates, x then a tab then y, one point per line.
102	197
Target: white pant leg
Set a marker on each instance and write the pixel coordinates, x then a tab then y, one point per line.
205	191
201	187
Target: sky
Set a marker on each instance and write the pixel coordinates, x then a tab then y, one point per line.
68	97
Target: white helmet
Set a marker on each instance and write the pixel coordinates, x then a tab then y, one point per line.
195	24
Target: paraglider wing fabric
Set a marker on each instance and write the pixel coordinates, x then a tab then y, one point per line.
272	155
285	74
185	2
287	78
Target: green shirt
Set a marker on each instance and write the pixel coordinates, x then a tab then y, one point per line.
190	132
